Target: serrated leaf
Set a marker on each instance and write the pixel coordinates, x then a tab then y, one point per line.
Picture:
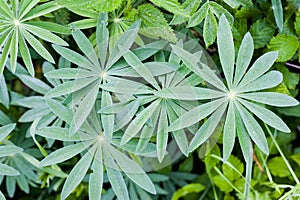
198	16
172	6
278	167
262	32
190	6
286	45
154	23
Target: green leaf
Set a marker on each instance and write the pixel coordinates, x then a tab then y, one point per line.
229	132
69	73
4	98
266	116
4	55
262	32
162	134
44	34
260	66
198	16
244	58
229	172
138	66
60	110
102	37
84	108
9	150
278	167
268	80
154	23
41	10
91	5
24	50
187	189
126	114
297	25
195	115
136	125
218	10
62	134
6	130
96	178
6	170
64	154
132	170
26	6
114	175
14	51
190	6
126	40
77	174
278	13
254	130
290	79
33	83
107	119
188	93
271	98
172	6
74	57
226	49
50	26
207	129
86	47
37	46
69	87
286	45
244	138
210	29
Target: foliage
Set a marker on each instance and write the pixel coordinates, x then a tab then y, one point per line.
119	100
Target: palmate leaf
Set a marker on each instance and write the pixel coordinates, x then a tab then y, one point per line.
97	154
19	31
243	87
6	130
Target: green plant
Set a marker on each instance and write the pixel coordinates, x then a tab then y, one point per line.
144	112
17	29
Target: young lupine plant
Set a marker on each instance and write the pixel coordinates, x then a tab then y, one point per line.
17	30
99	67
154	101
238	99
98	154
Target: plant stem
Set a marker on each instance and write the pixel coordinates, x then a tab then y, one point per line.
292	65
282	155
